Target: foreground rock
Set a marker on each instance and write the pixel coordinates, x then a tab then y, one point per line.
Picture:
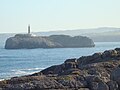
28	41
100	71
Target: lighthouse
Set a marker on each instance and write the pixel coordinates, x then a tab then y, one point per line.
28	29
29	32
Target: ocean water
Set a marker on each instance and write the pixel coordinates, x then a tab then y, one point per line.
27	61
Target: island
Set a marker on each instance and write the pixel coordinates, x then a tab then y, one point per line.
100	71
30	41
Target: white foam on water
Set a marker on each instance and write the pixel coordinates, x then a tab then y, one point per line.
32	69
2	79
20	72
28	69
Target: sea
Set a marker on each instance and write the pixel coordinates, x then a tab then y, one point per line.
20	62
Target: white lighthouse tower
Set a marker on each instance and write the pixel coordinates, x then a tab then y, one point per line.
28	29
29	32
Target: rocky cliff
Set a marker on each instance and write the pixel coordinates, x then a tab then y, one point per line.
100	71
28	41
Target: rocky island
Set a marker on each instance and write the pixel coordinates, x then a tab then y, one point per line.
29	41
100	71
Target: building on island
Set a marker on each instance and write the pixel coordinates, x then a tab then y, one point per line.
28	29
26	35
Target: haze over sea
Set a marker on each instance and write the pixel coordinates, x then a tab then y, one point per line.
27	61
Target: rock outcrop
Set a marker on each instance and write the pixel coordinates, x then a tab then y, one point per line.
21	41
100	71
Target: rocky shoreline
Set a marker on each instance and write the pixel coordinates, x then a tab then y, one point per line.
100	71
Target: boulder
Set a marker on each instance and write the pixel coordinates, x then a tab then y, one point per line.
72	81
98	86
96	83
115	74
109	53
112	85
70	65
97	55
71	60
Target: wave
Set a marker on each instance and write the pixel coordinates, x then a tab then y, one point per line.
10	57
2	79
19	72
29	69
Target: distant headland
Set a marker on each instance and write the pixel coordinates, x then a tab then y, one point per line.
31	41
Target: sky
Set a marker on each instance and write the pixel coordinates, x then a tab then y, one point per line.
49	15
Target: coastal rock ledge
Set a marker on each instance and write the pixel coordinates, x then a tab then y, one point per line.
100	71
28	41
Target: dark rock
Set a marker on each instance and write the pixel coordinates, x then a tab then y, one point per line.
112	85
35	85
71	60
110	53
70	65
57	69
72	82
98	86
84	89
97	55
93	78
96	83
94	72
71	72
117	49
115	74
